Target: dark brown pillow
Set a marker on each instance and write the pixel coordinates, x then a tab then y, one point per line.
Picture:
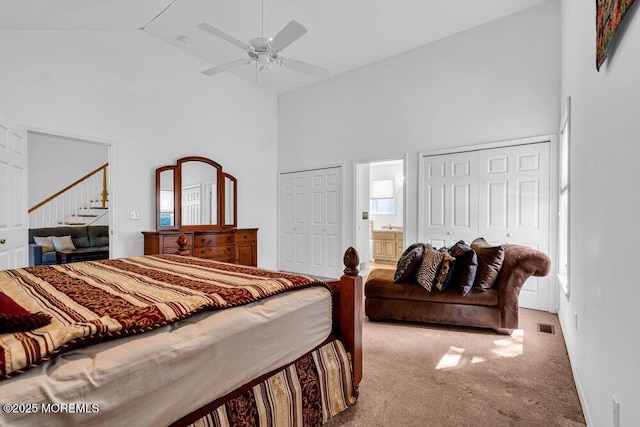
409	262
446	270
466	266
15	318
490	259
428	270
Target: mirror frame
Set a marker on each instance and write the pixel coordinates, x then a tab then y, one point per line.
176	206
177	196
233	179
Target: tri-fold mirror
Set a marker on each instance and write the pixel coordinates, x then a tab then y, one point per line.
195	194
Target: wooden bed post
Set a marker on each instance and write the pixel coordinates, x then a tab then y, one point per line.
347	311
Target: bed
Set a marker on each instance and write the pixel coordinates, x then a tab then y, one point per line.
173	340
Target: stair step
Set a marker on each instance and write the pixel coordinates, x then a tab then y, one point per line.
71	223
96	207
85	215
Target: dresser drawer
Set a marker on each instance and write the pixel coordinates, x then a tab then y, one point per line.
228	258
170	242
209	239
217	251
246	236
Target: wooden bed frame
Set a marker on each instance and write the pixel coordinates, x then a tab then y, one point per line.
347	311
346	295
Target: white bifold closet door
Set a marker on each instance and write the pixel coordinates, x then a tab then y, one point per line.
501	194
310	222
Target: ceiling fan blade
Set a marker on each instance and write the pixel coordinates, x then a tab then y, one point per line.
226	36
304	67
290	33
224	67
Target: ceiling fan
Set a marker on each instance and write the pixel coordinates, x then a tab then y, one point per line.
265	52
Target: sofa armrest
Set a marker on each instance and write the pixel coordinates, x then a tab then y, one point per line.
520	263
35	255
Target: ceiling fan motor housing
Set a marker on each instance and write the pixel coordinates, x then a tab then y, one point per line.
262	52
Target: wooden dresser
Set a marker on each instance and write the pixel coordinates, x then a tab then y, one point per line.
236	246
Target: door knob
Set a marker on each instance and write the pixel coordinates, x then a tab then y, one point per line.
509	234
2	241
449	233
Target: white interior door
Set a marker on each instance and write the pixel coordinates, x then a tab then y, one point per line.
293	225
325	252
310	222
514	206
191	206
14	219
449	198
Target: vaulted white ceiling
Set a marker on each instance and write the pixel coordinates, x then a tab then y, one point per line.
342	34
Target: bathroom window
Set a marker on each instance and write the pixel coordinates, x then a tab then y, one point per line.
381	194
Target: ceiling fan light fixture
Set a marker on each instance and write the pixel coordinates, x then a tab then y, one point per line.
263	59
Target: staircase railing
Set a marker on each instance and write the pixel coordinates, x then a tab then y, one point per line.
76	204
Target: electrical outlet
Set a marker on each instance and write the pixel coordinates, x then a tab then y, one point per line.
616	413
134	215
575	313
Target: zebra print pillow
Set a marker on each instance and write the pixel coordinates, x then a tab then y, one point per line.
428	270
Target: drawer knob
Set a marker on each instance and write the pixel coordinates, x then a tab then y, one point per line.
202	252
245	236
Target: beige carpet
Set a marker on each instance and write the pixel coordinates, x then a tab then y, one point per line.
429	375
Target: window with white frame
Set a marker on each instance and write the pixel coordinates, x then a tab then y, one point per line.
381	192
563	199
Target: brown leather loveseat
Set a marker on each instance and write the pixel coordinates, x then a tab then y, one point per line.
495	308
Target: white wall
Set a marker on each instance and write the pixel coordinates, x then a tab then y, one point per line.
604	195
56	162
151	99
495	82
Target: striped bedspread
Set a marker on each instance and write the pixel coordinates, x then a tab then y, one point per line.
95	301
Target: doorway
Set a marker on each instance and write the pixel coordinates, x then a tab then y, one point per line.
56	160
380	212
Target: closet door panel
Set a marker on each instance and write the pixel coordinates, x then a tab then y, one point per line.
514	194
326	185
293	224
514	206
448	203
